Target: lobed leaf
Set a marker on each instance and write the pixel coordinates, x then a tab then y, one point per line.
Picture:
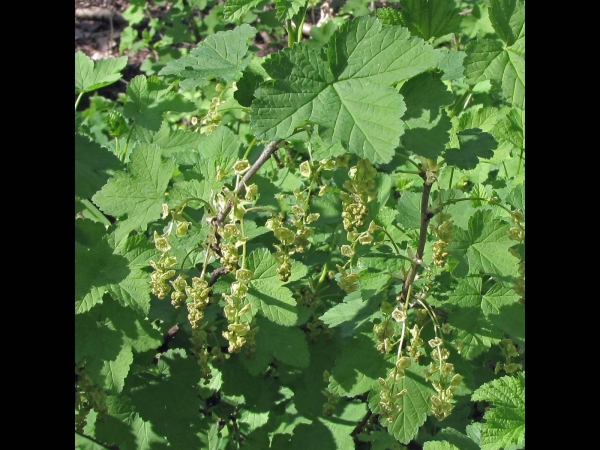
91	76
505	421
430	19
345	90
137	196
222	55
149	98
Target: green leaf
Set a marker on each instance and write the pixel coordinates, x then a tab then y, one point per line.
358	307
139	194
483	118
488	59
274	301
409	210
415	404
427	125
95	342
96	268
390	16
474	144
124	427
486	245
264	265
512	129
112	372
356	370
345	93
90	76
287	9
92	166
184	190
149	98
439	445
286	344
254	74
133	291
85	443
170	392
516	197
475	332
222	142
181	145
135	328
222	55
451	64
235	10
430	19
323	150
505	420
508	19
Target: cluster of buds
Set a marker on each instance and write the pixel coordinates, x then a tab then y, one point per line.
212	119
384	332
179	295
415	343
200	350
509	351
89	396
388	400
330	406
232	240
444	234
181	225
360	189
239	332
347	280
301	218
162	268
446	384
517	232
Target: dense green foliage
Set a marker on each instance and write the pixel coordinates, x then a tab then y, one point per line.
321	248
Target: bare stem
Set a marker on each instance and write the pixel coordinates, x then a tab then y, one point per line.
425	218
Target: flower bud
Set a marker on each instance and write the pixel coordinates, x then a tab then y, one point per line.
305	169
161	243
244	275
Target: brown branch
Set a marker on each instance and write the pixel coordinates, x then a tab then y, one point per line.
214	276
266	154
361	424
425	218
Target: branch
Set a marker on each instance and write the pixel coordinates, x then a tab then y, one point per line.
266	154
101	444
425	218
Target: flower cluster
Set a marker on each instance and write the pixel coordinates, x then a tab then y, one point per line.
361	190
415	343
388	399
88	396
239	332
446	384
510	352
444	234
517	232
162	268
212	119
384	332
199	292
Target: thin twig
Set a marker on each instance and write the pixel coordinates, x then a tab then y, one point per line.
266	153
